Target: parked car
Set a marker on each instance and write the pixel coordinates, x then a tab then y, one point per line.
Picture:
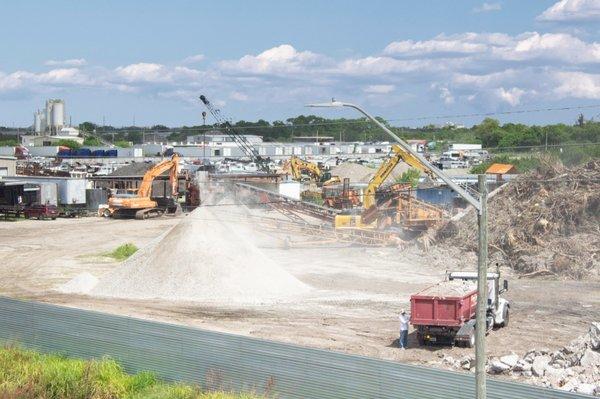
39	211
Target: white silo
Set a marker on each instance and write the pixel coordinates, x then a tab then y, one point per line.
55	115
39	122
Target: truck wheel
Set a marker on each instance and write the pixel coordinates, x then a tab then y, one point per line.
106	213
506	318
471	342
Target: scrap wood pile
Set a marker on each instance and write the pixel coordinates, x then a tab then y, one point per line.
544	222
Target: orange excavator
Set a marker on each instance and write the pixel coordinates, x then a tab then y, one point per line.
140	205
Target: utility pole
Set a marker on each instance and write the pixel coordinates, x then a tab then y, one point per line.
482	299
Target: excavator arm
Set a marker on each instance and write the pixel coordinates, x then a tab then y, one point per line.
297	165
386	169
172	165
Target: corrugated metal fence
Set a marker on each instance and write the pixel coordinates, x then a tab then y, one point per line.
231	362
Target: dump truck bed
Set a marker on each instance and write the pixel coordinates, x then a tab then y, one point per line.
449	304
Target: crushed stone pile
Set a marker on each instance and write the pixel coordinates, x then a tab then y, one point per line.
574	368
453	288
201	259
544	222
81	283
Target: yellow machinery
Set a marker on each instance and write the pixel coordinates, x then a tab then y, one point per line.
140	204
386	169
410	212
296	166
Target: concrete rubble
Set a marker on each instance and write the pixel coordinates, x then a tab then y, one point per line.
574	368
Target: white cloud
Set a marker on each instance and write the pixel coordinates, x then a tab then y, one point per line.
511	96
154	73
194	59
572	10
555	46
446	96
74	62
379	89
281	60
488	7
237	96
577	85
460	45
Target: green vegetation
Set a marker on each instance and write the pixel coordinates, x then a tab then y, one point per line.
123	252
123	143
410	176
25	374
72	144
92	141
8	142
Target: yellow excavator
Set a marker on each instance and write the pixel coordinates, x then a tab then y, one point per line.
296	166
140	205
369	215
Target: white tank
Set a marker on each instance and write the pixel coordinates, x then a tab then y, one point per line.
39	122
55	115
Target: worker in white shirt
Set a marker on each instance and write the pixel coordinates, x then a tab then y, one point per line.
404	319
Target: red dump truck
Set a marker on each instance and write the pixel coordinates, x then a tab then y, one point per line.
445	313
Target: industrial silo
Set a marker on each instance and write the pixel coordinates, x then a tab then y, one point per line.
39	122
55	115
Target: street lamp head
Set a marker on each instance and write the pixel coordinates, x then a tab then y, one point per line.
331	104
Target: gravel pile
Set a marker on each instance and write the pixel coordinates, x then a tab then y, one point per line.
202	259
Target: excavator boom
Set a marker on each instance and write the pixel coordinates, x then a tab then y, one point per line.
384	171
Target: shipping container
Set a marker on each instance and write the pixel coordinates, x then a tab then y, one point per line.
71	191
47	151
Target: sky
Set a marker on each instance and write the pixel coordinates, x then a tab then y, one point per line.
146	62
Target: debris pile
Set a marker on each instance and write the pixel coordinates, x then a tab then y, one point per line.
204	258
574	368
544	222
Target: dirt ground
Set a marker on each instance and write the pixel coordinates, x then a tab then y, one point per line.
354	308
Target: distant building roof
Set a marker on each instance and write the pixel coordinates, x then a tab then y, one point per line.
501	169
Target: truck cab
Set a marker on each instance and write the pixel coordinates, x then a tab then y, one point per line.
498	310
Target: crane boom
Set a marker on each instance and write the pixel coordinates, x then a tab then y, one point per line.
239	139
399	154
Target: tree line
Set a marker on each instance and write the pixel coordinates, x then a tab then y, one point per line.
490	132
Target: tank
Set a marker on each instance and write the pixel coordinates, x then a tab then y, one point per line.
55	115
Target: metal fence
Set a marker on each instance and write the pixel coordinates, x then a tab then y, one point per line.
231	362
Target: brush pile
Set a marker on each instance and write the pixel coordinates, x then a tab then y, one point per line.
544	222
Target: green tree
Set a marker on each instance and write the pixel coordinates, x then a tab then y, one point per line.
72	144
92	141
87	127
410	176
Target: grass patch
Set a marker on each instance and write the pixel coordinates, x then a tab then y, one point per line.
27	374
123	252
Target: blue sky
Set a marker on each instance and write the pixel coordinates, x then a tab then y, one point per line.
265	59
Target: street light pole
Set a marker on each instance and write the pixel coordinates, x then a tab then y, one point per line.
481	205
